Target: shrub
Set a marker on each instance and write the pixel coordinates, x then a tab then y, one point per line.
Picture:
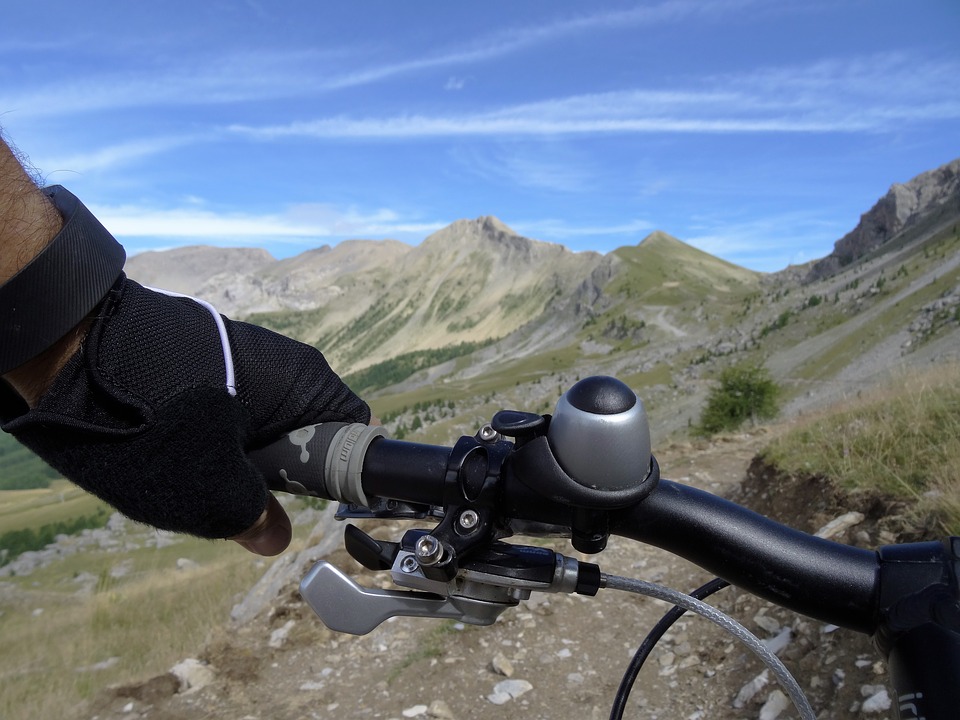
744	392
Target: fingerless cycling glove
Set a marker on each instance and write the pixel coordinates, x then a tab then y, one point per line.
142	417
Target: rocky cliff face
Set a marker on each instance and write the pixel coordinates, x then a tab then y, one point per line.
902	206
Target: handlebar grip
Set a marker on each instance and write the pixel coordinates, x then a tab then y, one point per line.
323	460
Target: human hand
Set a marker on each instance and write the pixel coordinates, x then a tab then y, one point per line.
142	417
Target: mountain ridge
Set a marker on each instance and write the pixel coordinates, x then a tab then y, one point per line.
904	204
662	314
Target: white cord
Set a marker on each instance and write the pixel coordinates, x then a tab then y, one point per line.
727	623
221	328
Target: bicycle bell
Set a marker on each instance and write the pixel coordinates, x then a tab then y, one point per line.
600	434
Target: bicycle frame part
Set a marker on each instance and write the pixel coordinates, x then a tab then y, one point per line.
919	630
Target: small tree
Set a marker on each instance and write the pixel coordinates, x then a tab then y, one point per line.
745	392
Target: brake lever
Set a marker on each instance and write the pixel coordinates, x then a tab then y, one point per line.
490	583
344	606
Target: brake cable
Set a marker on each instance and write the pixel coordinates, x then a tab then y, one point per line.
650	641
725	622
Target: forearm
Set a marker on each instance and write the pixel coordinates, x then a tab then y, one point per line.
28	222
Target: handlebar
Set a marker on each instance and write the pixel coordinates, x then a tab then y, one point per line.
514	478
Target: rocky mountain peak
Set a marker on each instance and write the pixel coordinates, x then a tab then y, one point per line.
484	226
491	224
903	205
487	234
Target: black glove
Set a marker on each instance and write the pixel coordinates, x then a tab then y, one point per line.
142	418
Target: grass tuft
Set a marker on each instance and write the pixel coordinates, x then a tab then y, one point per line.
902	438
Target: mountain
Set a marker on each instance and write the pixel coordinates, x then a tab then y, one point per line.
666	267
929	197
478	317
366	301
188	269
241	281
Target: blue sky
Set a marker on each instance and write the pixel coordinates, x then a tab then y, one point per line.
757	130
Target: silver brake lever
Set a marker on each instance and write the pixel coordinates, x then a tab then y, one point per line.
477	595
344	606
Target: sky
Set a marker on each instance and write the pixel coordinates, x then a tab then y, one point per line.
756	130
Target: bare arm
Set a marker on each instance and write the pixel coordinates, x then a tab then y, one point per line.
28	222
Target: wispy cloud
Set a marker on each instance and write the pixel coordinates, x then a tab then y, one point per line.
414	126
112	156
303	72
867	95
198	80
512	40
768	242
298	224
670	11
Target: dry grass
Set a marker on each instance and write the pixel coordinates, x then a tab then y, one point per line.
147	620
903	438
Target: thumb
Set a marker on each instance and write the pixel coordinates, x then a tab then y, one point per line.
270	534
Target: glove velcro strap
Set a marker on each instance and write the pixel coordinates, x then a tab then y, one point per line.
60	286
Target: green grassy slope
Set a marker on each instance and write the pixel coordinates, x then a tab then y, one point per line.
663	270
20	469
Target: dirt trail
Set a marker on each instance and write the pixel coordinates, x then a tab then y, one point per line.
562	655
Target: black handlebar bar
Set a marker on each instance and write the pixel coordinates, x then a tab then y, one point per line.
906	597
818	578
